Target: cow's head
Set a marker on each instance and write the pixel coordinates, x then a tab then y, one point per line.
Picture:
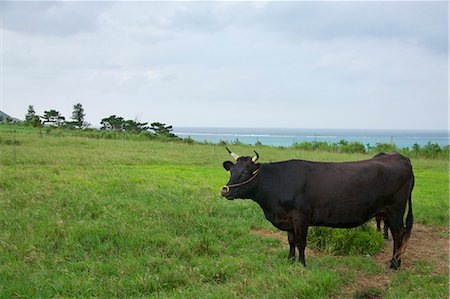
242	176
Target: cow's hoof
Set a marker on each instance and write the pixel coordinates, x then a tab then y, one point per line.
291	258
395	264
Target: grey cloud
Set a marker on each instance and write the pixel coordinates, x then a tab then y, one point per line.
423	22
51	18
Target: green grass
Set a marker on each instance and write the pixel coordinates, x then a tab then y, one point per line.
421	282
361	240
369	293
91	217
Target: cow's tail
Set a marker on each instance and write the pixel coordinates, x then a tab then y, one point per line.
409	220
409	217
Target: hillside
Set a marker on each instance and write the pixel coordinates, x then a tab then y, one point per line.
4	116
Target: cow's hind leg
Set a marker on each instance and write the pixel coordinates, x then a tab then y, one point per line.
397	230
291	240
385	231
378	218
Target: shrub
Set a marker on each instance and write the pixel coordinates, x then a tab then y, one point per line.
342	146
188	140
383	147
310	146
431	150
305	145
237	142
353	147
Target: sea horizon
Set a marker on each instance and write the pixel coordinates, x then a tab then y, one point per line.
289	136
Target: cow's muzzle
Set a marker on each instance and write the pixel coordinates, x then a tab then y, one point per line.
225	190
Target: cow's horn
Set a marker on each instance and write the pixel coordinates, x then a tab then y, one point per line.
232	154
255	158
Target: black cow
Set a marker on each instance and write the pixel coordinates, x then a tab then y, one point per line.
296	194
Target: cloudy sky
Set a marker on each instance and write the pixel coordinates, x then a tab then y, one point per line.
379	65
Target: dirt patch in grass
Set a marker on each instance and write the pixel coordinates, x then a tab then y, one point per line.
429	243
271	234
426	243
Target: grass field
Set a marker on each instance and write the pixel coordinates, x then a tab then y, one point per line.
87	217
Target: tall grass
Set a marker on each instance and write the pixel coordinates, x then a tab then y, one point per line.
361	240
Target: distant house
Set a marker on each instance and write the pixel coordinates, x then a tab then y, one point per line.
4	117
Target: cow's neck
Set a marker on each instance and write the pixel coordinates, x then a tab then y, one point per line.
265	197
261	192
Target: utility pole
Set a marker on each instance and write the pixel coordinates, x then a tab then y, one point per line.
14	145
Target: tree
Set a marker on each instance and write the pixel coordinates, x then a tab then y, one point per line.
31	118
162	129
134	126
54	117
36	121
117	123
78	116
112	123
30	114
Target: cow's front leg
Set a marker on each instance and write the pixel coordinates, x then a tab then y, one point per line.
301	233
291	245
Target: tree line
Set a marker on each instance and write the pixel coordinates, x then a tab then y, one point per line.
77	121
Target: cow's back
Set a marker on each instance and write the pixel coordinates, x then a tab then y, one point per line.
347	194
382	175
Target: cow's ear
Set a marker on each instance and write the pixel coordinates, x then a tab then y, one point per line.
227	165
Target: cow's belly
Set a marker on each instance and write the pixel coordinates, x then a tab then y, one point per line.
345	215
340	224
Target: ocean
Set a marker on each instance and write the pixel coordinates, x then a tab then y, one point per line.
287	137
